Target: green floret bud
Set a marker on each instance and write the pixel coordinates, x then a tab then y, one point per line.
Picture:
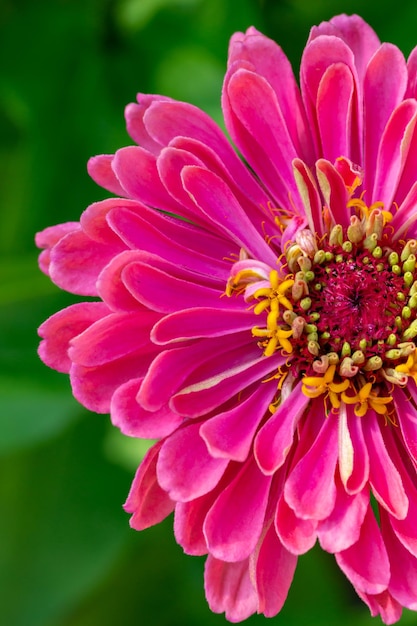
406	313
346	349
393	259
393	354
410	264
305	303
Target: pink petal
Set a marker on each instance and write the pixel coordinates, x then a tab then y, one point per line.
412	74
384	87
407	417
296	225
181	272
188	523
366	563
157	234
148	503
275	438
185	468
136	128
403	583
234	523
201	322
310	488
393	152
219	204
335	99
383	604
133	218
171	165
169	120
356	33
264	125
405	529
404	220
173	367
342	528
255	154
161	291
334	191
48	237
112	337
58	330
309	195
229	434
297	535
76	262
384	477
208	394
95	386
275	567
407	179
243	184
94	220
111	287
229	589
265	58
100	170
320	54
353	452
134	421
137	172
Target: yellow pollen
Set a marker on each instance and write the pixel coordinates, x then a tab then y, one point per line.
275	294
410	366
277	337
315	386
367	398
366	210
271	298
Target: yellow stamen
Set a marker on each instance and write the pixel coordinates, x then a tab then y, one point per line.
410	366
315	386
367	398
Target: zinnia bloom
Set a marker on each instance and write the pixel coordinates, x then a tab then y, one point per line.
258	317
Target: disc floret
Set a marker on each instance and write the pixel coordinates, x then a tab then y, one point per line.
342	308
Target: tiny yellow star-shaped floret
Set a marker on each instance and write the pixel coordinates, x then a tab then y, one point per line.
410	366
315	386
366	398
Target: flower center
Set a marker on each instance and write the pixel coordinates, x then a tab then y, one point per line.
342	308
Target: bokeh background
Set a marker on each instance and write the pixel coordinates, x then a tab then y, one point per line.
67	69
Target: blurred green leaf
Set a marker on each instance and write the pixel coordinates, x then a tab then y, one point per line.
192	74
31	413
21	280
135	14
125	451
62	516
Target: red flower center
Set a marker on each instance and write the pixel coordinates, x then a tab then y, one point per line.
346	317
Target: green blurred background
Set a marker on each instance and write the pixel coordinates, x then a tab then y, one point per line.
67	69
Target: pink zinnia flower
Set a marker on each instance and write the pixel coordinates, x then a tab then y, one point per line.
267	338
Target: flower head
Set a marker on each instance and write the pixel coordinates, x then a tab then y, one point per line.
261	323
